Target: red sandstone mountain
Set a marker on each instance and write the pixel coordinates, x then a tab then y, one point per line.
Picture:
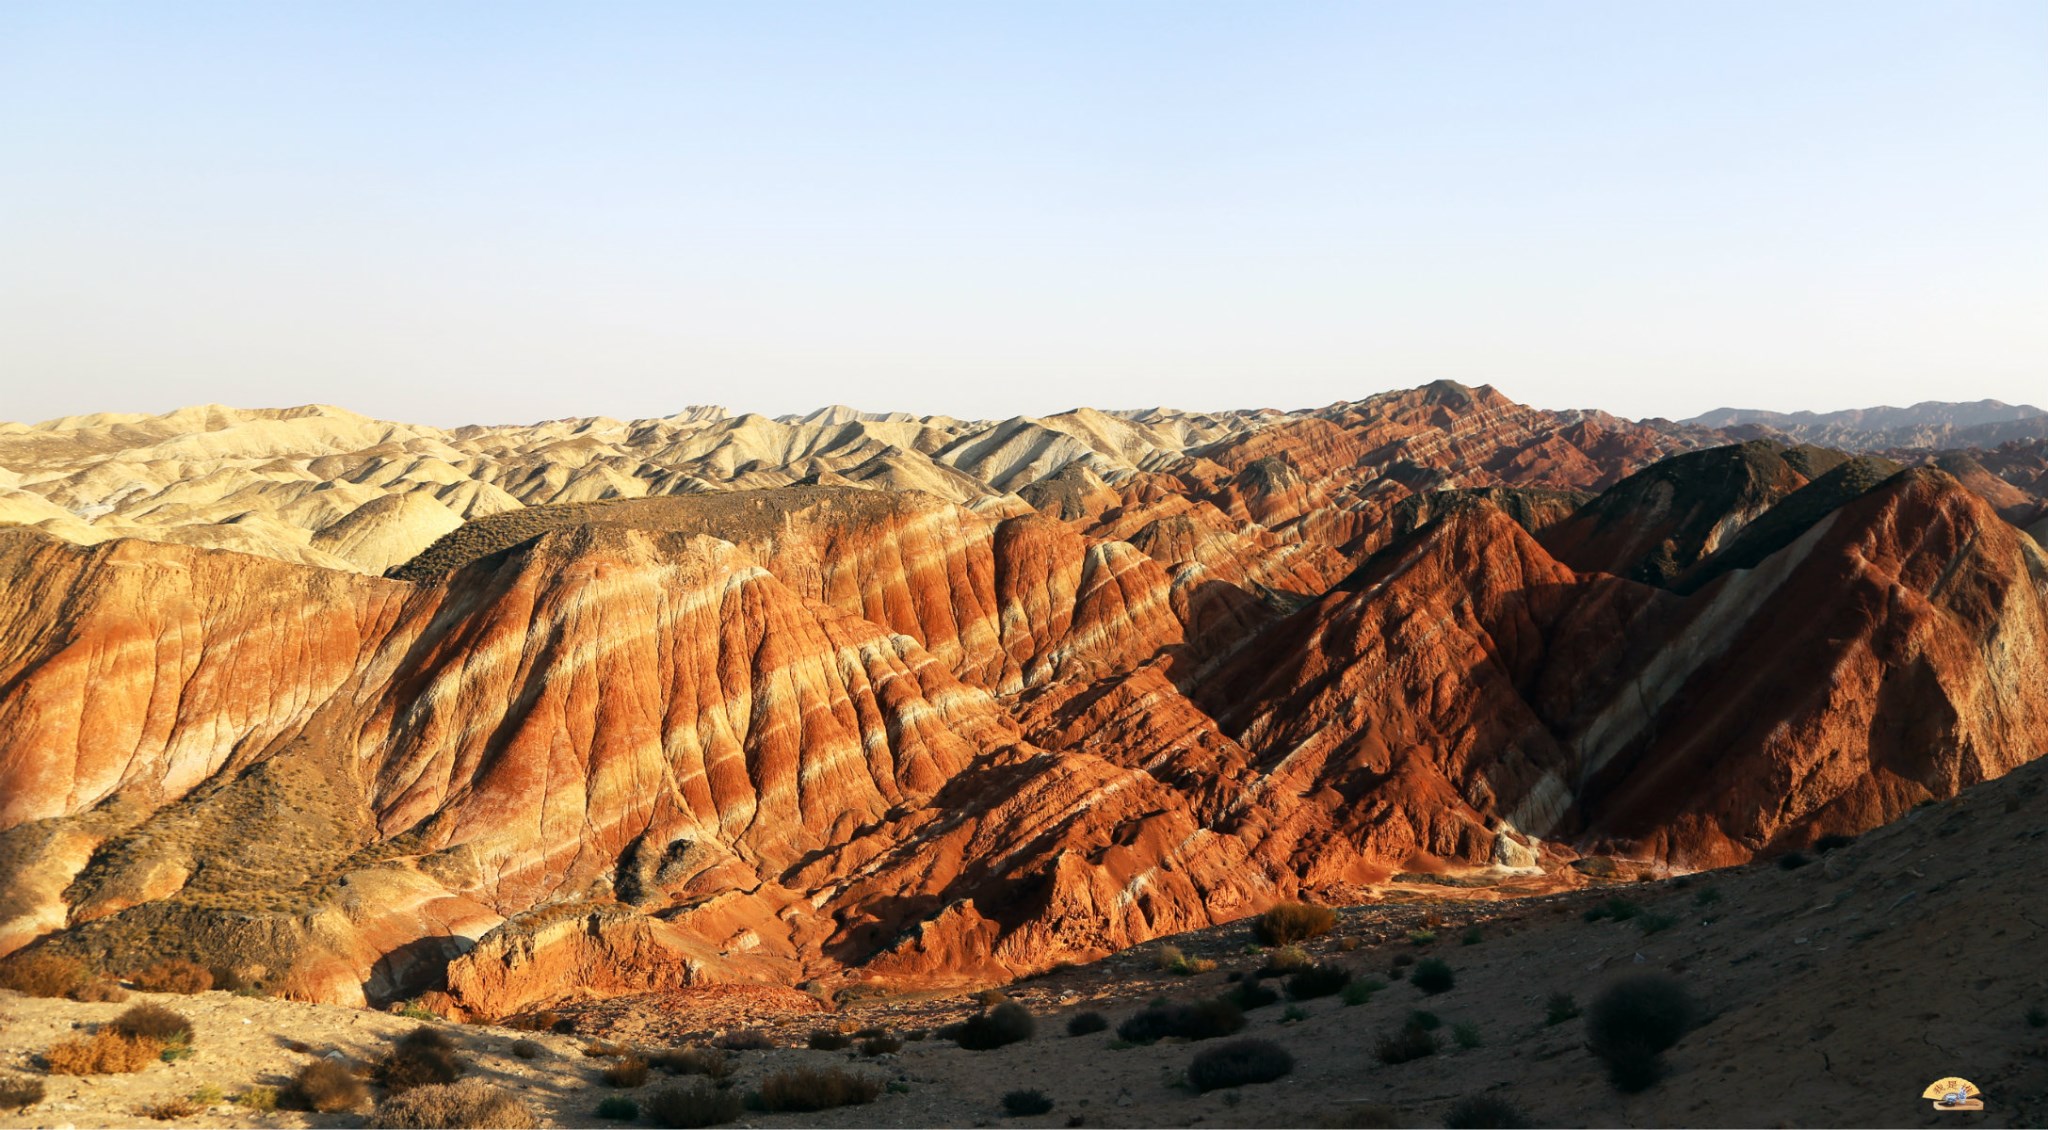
832	732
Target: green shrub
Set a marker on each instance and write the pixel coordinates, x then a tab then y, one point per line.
1248	995
1085	1023
1293	1013
262	1100
1472	937
1291	922
1484	1112
1655	923
1200	1020
1466	1034
1427	1021
1238	1063
1617	908
1318	981
2037	1017
1560	1008
1633	1022
699	1104
1006	1023
1286	960
1361	990
1433	976
1707	897
618	1108
807	1089
1024	1104
1423	937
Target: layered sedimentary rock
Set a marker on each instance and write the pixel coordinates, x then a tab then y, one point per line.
825	731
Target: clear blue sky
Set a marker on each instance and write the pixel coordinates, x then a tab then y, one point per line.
452	212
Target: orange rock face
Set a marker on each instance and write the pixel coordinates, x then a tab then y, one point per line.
832	733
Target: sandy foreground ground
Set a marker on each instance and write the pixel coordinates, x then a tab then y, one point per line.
1834	993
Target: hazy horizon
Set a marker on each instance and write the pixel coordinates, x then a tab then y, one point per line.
475	213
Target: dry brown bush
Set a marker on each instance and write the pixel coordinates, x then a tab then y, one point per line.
99	990
746	1040
324	1086
1292	922
693	1061
172	1109
422	1057
19	1093
42	974
175	975
105	1052
153	1022
806	1088
628	1072
468	1104
687	1108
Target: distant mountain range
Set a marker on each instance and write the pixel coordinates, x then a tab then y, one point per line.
1929	424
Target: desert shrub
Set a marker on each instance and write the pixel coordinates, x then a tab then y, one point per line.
692	1061
1085	1023
1560	1008
699	1104
262	1100
99	990
1286	960
746	1040
174	975
618	1108
543	1021
43	974
468	1104
826	1040
20	1093
1360	990
2037	1017
1292	1013
1707	897
171	1109
207	1095
629	1071
1792	861
155	1022
1633	1022
1466	1034
324	1086
422	1057
604	1049
228	979
1318	981
880	1045
916	1035
1024	1104
1237	1063
1423	937
527	1049
1654	923
1617	908
1167	957
870	1032
1433	976
1190	966
1361	1116
1401	961
1248	995
105	1052
1832	841
1427	1021
1348	943
1472	937
1200	1020
1485	1112
1006	1023
805	1089
1410	1043
1291	922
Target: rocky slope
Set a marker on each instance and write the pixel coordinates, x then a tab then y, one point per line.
1109	677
